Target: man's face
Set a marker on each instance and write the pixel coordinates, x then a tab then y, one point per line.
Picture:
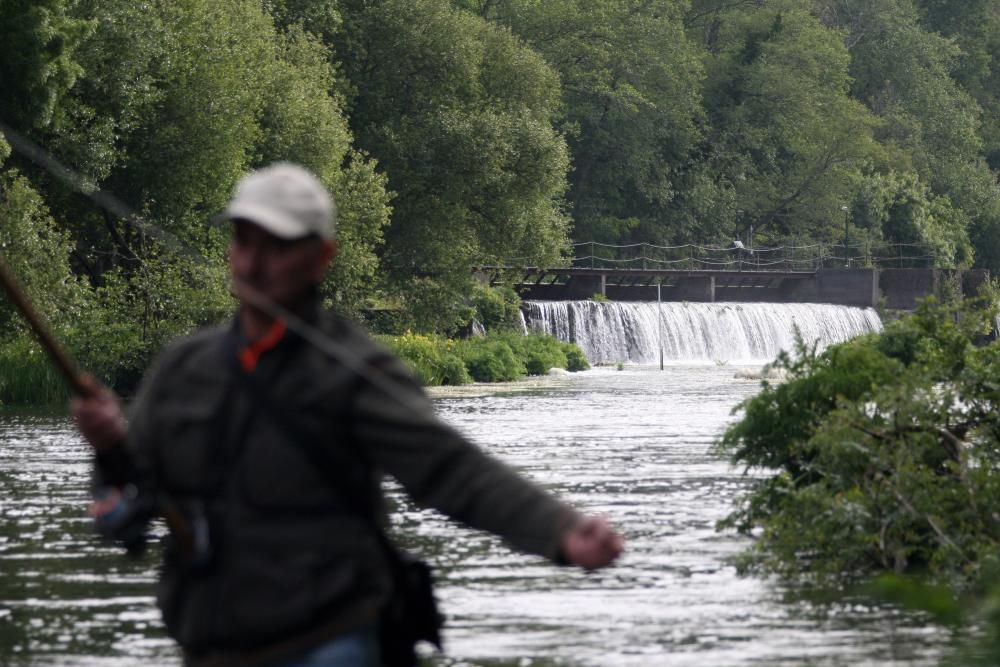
280	270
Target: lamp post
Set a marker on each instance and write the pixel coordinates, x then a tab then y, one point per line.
847	262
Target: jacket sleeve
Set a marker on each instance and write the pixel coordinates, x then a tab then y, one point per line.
394	422
125	473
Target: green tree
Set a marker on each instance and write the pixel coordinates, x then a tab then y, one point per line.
303	121
28	234
170	103
459	115
787	139
38	67
632	104
900	209
905	72
974	26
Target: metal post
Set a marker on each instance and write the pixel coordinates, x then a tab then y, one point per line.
659	320
847	262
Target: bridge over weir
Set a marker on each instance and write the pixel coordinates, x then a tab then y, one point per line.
895	275
894	288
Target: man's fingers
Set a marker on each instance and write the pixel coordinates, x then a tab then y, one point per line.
592	543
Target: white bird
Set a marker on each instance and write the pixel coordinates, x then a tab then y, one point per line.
738	244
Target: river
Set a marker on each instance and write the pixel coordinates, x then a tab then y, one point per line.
634	444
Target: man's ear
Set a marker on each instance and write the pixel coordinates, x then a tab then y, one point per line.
327	251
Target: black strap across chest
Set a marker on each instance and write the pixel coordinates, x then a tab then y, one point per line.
269	405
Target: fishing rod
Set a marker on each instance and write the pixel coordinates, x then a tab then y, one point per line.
63	361
185	533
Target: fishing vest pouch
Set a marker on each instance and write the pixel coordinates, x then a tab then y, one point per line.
411	614
186	600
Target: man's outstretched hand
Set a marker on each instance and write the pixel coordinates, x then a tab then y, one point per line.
592	543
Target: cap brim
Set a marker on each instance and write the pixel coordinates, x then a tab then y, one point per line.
266	218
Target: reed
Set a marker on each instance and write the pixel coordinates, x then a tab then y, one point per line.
27	377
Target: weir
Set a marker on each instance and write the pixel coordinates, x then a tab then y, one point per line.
613	332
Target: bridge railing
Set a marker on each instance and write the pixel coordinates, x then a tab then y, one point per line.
808	257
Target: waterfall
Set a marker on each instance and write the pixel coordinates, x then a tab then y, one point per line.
612	332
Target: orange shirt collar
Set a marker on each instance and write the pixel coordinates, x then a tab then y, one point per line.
250	354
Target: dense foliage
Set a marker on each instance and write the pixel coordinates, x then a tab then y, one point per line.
457	133
881	456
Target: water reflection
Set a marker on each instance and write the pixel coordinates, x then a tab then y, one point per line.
64	597
634	444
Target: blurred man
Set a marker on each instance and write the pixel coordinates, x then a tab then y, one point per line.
265	452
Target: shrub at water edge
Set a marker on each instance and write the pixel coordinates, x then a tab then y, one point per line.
431	358
437	360
882	458
541	353
491	360
882	451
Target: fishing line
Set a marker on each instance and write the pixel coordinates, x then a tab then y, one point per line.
81	184
317	338
109	202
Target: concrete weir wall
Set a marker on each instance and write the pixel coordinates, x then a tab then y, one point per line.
898	289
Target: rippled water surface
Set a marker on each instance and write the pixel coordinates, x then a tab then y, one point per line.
633	444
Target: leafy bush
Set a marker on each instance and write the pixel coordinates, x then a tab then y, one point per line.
494	358
27	375
576	360
430	357
884	454
540	353
491	360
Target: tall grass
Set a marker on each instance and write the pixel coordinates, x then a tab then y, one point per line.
27	377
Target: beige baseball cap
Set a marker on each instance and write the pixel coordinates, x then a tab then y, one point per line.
284	199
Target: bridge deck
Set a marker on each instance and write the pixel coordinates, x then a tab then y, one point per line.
896	288
532	275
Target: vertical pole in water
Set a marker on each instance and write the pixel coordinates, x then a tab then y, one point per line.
659	321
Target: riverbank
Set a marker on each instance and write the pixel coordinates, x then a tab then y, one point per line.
28	378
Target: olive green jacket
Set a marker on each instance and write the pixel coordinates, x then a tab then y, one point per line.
290	554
